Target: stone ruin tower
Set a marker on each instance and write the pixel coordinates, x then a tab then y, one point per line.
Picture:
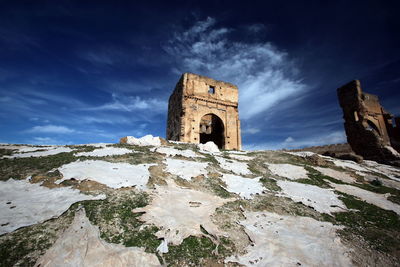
202	109
371	131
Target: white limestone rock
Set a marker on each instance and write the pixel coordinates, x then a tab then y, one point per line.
341	176
237	167
179	212
246	188
24	204
321	199
209	147
170	152
80	245
280	240
379	200
289	171
105	151
43	152
186	169
114	175
147	140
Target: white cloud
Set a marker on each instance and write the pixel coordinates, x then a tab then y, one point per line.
51	129
251	131
337	137
289	140
48	141
133	103
263	73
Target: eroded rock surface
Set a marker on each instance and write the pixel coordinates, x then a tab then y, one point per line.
179	212
291	241
80	245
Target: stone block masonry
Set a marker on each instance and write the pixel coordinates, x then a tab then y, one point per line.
202	109
371	131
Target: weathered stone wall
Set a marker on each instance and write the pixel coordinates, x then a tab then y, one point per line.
368	126
175	113
192	100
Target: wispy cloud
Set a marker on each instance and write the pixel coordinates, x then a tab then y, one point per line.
132	103
48	141
336	137
265	75
250	130
56	129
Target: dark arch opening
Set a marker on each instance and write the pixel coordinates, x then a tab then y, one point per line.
372	126
212	129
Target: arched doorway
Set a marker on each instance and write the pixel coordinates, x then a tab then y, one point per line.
372	126
212	129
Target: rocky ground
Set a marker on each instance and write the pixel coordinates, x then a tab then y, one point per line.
159	203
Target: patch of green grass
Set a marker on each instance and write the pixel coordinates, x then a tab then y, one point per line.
187	146
82	148
144	149
131	158
209	158
270	184
317	178
20	168
217	188
24	246
117	222
394	199
254	167
6	152
14	250
381	189
194	250
379	227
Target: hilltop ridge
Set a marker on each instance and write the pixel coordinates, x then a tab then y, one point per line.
158	202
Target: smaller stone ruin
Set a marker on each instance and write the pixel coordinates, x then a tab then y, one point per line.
371	131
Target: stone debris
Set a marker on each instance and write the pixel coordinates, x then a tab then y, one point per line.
179	212
279	240
208	147
341	176
147	140
105	151
171	152
237	167
379	200
163	247
48	152
185	169
289	171
80	245
23	203
246	188
321	199
114	175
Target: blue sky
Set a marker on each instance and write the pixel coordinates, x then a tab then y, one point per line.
74	72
